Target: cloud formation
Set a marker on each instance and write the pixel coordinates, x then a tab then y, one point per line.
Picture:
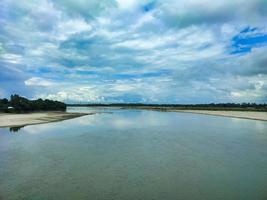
150	51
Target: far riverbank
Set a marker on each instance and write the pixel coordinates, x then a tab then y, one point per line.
235	114
243	113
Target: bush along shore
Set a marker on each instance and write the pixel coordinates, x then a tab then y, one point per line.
18	104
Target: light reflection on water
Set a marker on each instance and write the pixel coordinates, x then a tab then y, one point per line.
135	154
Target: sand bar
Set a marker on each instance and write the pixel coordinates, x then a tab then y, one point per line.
236	114
15	120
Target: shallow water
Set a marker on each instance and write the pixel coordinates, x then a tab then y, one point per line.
136	154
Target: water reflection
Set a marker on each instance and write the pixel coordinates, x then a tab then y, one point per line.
15	129
136	154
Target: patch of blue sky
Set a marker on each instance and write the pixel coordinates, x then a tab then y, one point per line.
85	72
159	73
248	39
44	70
149	6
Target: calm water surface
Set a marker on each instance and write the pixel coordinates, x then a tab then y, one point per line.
136	154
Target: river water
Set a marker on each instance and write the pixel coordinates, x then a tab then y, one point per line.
135	155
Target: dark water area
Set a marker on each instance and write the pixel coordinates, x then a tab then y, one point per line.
135	154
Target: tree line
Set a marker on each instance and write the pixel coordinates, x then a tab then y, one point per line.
210	106
18	104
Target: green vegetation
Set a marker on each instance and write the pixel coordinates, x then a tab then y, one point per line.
168	107
18	104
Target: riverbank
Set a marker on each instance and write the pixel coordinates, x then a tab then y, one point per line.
16	120
228	112
235	114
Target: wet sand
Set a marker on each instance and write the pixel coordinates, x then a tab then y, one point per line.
15	120
235	114
243	114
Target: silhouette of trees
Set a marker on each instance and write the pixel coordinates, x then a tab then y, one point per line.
211	106
3	105
19	104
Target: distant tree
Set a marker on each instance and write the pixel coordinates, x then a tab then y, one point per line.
4	101
21	104
3	105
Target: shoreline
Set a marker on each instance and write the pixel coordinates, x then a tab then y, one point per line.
241	114
8	120
259	115
251	115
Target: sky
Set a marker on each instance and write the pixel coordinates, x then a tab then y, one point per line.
145	51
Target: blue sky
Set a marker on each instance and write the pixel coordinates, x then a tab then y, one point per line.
148	51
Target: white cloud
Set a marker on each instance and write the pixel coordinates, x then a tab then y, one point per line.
73	94
40	82
177	51
127	4
123	88
72	26
11	58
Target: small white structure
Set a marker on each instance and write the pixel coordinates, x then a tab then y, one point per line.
10	107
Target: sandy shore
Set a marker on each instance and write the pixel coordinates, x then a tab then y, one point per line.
236	114
16	120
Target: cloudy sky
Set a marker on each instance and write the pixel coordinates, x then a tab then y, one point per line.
149	51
